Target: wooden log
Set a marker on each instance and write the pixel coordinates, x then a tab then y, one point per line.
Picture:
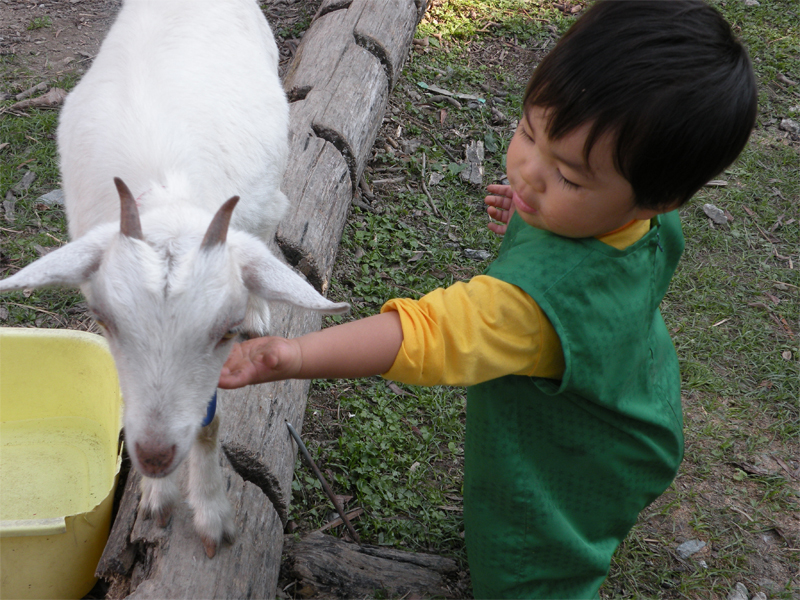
318	184
339	84
324	566
335	117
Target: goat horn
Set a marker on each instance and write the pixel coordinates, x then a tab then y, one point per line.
218	230
129	223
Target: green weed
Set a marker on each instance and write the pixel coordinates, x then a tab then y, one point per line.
39	23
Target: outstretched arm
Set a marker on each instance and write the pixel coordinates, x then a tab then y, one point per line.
355	349
500	207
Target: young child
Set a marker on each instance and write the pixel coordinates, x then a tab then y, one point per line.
573	407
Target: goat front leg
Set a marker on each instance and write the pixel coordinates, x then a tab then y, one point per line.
158	498
213	514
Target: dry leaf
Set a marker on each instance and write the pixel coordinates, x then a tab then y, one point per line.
787	355
398	390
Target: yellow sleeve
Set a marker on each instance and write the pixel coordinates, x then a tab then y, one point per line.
472	332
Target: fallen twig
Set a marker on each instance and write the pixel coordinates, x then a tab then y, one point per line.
425	188
353	514
322	480
39	87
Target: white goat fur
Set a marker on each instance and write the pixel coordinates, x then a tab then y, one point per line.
185	105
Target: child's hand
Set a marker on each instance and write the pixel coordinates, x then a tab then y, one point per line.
260	360
500	207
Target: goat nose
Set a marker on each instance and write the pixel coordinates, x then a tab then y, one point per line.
154	459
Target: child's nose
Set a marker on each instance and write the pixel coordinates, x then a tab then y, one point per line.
534	174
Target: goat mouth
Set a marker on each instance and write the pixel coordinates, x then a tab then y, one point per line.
155	474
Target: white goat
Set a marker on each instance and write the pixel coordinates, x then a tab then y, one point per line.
184	104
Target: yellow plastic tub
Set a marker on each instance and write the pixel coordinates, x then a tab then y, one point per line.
60	418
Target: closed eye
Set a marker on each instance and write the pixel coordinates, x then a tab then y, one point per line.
567	183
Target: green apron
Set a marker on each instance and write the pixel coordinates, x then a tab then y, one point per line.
556	472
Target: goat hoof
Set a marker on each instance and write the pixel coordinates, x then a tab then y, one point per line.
210	546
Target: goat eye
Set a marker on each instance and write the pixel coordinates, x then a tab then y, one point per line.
230	335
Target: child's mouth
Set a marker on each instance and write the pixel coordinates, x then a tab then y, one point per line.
521	205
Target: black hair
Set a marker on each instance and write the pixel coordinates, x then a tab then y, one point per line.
667	78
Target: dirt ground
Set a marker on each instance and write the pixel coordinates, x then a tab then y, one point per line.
55	38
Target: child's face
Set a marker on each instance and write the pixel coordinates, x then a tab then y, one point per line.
554	189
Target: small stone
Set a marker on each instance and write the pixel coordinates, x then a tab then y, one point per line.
739	592
790	125
715	214
477	254
54	198
686	549
435	178
474	163
411	146
25	182
8	207
759	596
752	3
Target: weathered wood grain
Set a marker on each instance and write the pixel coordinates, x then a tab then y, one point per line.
328	567
318	184
346	106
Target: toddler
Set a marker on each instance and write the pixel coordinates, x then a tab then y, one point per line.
574	418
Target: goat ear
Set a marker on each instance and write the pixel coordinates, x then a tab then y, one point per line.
267	277
68	266
218	229
129	223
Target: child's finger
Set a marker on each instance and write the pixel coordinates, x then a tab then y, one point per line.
230	379
497	214
247	363
499	190
502	202
499	229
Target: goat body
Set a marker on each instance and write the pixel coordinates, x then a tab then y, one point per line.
184	104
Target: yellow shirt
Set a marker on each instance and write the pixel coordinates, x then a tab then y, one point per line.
482	329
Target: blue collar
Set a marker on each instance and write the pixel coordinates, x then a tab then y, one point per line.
210	411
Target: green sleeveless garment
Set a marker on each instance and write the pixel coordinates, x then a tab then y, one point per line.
556	472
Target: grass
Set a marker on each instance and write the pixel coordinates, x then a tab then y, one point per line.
28	141
732	308
39	23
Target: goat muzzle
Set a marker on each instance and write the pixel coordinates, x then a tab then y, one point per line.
155	461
